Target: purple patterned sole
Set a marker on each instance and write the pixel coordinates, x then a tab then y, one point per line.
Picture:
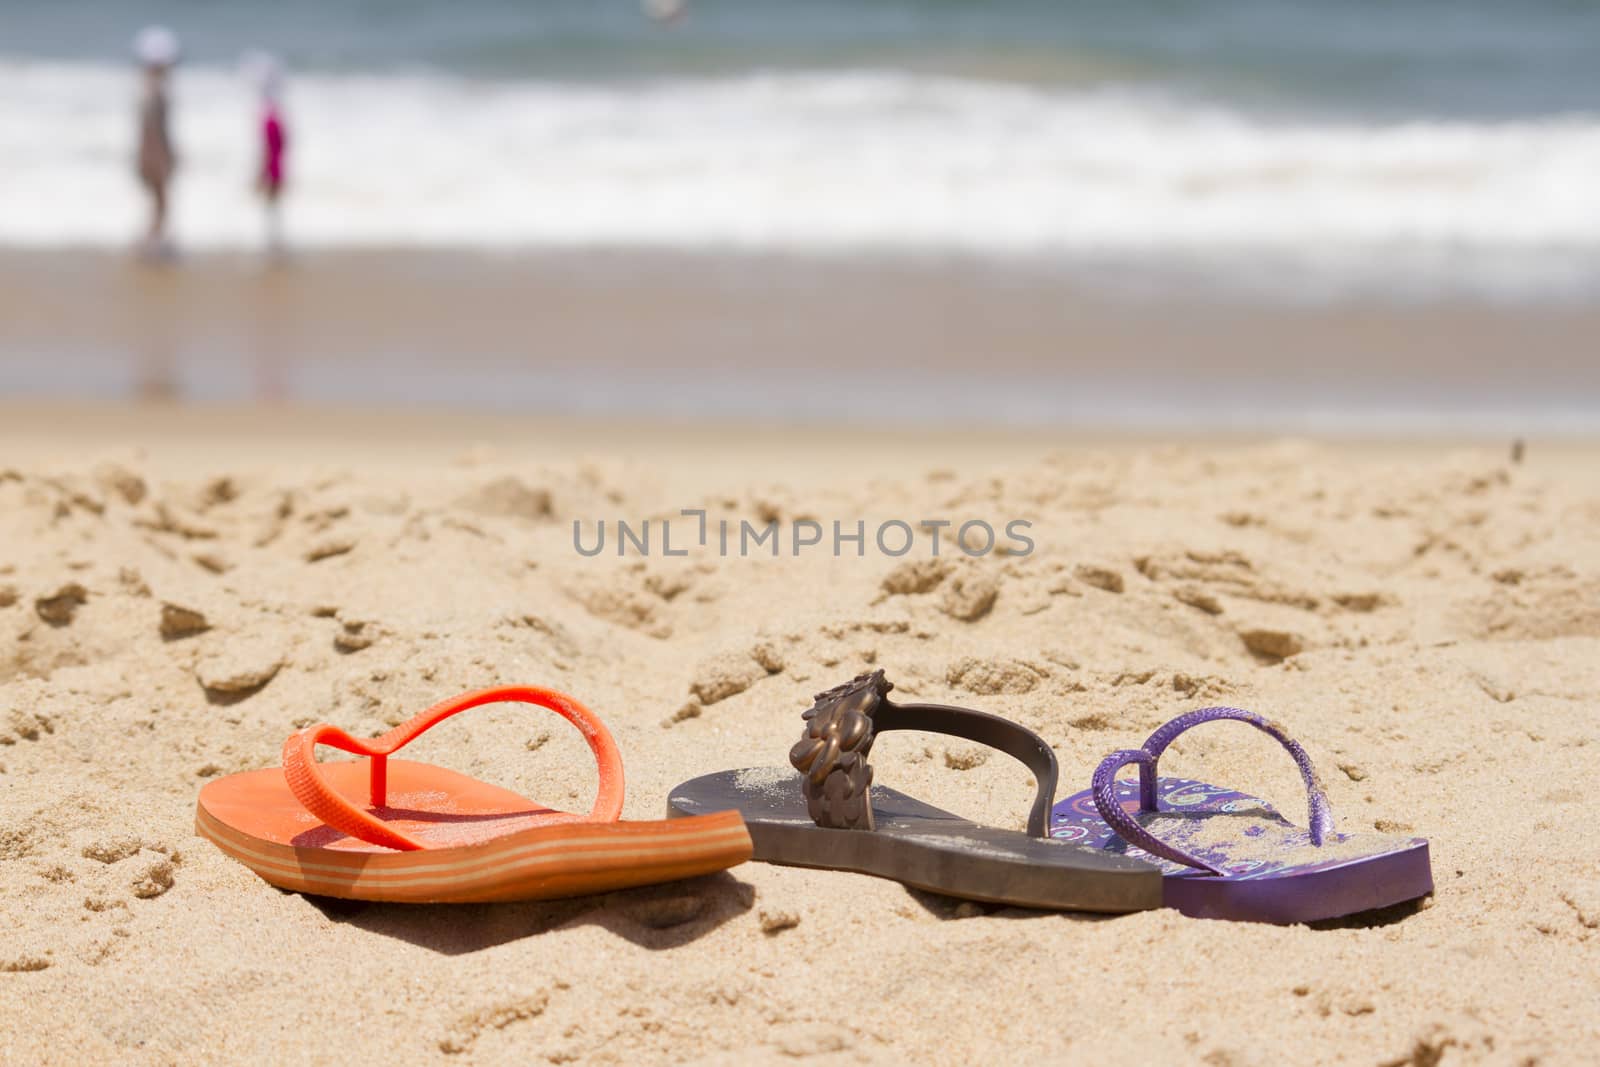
1275	883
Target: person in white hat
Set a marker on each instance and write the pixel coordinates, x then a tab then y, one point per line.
156	48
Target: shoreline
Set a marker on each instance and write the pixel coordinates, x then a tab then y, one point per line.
764	337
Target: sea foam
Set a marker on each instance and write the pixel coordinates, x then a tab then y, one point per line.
837	161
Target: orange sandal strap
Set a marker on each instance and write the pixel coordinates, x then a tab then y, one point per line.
320	799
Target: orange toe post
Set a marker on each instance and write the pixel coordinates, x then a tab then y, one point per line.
391	829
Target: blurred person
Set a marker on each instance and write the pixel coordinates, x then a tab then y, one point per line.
157	50
665	11
267	73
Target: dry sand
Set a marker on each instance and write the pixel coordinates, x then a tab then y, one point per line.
1428	625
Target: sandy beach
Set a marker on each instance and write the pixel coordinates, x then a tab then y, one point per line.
338	343
177	596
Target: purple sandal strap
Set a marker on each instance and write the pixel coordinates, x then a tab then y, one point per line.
1105	801
1320	816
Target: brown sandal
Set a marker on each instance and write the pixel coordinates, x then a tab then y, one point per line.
829	815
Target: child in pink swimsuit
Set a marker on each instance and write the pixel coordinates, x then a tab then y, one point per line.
273	142
274	145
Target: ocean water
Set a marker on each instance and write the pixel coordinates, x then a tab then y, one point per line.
1411	146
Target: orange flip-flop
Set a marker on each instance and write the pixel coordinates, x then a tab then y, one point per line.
399	830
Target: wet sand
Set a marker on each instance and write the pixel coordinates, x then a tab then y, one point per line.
900	340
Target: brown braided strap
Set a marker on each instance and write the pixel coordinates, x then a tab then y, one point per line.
841	726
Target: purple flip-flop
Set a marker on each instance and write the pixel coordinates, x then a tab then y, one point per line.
1229	855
